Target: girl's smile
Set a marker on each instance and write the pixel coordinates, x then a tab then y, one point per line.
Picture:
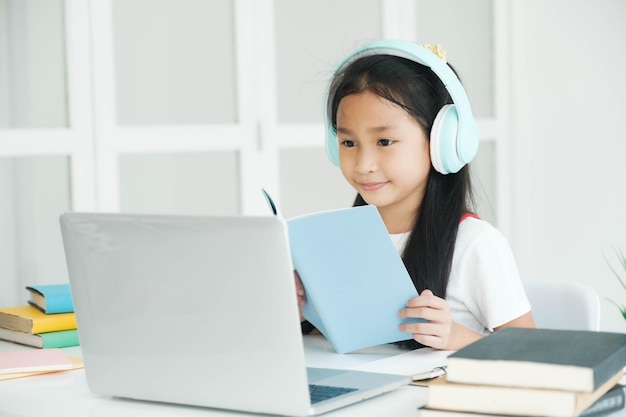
372	186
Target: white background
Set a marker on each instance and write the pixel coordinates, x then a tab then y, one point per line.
190	106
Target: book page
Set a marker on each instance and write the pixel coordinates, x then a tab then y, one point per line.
420	363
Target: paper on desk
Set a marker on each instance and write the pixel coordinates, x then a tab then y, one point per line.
319	353
420	363
33	360
77	363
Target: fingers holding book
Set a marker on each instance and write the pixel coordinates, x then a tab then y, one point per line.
436	327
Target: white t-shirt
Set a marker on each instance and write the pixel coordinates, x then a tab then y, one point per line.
484	290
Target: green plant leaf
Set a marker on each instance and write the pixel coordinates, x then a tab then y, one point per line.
622	309
622	260
621	257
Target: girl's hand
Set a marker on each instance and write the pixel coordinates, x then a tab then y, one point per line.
300	294
437	331
440	332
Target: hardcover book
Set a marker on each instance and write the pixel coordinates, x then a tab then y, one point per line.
574	360
58	339
29	319
493	399
52	298
613	400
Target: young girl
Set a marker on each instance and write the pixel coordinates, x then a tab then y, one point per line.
403	147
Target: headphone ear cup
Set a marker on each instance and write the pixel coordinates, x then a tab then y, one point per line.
443	141
332	147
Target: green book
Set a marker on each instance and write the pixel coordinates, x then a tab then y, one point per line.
64	338
60	339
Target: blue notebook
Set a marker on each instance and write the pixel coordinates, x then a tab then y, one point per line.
354	278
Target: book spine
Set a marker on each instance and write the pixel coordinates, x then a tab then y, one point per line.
60	339
53	310
61	304
54	322
52	299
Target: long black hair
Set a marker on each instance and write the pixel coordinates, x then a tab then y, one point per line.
416	89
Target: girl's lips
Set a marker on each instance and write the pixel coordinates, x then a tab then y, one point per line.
372	186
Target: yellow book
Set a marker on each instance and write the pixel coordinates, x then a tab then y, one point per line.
28	319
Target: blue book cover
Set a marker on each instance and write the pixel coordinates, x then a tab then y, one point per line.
354	278
51	298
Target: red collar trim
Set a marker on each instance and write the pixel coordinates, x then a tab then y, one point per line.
468	215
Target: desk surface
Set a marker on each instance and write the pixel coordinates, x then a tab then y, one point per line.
67	394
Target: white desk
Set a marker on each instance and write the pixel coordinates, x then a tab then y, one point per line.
67	394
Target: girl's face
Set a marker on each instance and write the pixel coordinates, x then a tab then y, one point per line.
384	154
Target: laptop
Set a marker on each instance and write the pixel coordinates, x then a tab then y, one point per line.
198	311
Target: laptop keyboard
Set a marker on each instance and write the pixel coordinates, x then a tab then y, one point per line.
324	392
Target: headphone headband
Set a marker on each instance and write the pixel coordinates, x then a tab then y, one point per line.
465	135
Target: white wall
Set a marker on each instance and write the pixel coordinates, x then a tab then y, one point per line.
33	189
569	140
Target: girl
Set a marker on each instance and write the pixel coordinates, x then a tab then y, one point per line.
403	147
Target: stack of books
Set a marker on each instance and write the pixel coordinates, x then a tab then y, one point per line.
533	372
46	321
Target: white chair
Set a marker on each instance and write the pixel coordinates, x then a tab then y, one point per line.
557	304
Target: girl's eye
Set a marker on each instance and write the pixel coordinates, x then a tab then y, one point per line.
385	142
348	143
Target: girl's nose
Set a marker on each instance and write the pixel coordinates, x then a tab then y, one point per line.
367	160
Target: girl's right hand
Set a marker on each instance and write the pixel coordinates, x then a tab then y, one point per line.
300	294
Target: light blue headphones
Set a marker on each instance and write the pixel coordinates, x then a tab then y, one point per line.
454	135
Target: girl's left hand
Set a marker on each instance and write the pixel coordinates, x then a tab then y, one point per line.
437	331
